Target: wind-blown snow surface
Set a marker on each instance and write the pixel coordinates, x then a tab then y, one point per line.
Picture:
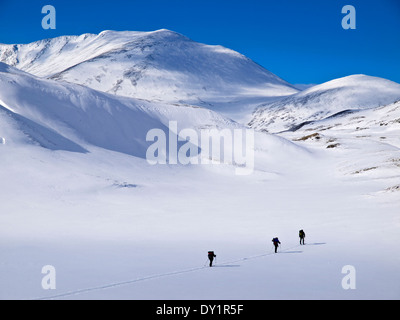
160	65
115	227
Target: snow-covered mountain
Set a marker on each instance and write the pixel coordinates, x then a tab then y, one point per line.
367	142
76	193
65	116
160	65
349	93
70	117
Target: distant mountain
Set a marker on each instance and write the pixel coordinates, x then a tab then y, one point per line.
366	141
160	65
340	95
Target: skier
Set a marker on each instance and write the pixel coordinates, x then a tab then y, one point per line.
211	257
276	243
302	235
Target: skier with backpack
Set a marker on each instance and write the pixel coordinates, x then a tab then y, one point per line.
302	235
211	257
276	243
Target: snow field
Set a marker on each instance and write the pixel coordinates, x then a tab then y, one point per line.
77	193
151	241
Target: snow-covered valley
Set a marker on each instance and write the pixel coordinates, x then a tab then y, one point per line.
77	193
117	228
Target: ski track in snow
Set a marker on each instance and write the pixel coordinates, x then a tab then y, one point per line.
161	275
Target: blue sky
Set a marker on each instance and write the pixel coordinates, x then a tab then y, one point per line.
301	41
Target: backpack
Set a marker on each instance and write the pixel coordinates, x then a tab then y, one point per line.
301	233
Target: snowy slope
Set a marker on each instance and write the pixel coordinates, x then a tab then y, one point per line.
367	141
116	228
160	65
65	116
53	113
324	100
74	112
76	193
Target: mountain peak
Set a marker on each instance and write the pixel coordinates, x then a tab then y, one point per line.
158	65
165	34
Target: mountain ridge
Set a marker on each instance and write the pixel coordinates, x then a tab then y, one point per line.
161	65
